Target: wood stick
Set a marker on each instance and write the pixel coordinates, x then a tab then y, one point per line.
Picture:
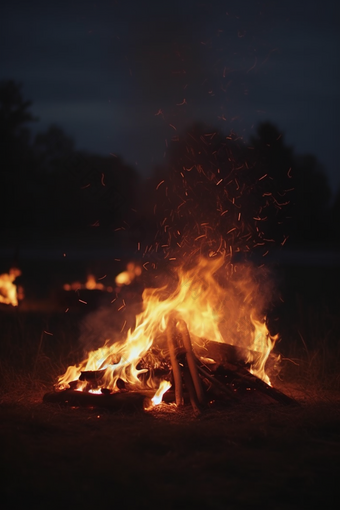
215	382
91	375
174	362
258	384
191	389
182	328
240	378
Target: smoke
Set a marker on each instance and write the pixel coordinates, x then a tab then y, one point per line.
107	326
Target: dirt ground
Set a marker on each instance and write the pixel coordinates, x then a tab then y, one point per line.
247	455
237	457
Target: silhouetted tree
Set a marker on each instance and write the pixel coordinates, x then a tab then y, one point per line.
311	200
334	229
217	192
14	116
17	165
215	195
53	147
93	190
49	186
301	184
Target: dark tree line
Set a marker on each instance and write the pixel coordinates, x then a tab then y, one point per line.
49	187
214	188
218	189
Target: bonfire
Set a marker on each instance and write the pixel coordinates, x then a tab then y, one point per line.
203	332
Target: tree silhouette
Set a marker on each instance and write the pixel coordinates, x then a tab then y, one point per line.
334	221
93	190
49	186
217	192
302	184
17	165
215	195
52	148
13	114
311	199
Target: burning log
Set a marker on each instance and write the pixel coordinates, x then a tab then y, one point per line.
182	327
93	378
91	375
177	376
127	401
189	385
220	387
224	353
240	379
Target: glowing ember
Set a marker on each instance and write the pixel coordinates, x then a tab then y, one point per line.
9	293
210	301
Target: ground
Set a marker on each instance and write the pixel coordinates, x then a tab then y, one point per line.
235	457
241	456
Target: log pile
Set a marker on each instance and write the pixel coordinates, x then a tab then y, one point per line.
224	380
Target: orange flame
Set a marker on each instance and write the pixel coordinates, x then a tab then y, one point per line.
217	304
8	290
127	277
158	396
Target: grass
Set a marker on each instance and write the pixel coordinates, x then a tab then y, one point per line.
310	350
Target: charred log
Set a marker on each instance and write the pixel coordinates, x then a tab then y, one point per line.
219	388
126	402
176	371
223	353
239	380
191	361
91	375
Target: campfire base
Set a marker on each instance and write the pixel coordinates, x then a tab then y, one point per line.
125	401
249	390
193	381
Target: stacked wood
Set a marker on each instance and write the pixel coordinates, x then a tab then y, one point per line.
191	361
224	379
173	353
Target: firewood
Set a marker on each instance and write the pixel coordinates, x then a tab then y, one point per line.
239	377
224	354
182	328
174	362
272	392
91	375
220	387
189	385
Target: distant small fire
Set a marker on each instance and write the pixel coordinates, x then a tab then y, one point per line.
10	294
91	284
128	276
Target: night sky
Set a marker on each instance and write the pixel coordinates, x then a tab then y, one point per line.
123	77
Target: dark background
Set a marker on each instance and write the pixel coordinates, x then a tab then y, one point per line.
112	112
103	70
